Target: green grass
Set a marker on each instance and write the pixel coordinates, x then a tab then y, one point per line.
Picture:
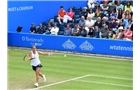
59	68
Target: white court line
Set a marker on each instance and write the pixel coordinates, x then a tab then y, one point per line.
59	82
105	83
111	77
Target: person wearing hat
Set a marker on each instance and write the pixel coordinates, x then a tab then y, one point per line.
119	34
84	12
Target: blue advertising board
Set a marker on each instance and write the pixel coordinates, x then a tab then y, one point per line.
72	43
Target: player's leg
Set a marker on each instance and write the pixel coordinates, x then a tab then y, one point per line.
37	75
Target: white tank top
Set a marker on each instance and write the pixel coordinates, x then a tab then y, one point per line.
36	61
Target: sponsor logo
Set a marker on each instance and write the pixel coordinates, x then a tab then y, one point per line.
121	48
86	46
24	8
69	44
33	41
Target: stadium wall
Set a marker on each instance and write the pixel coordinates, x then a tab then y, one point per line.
24	13
72	43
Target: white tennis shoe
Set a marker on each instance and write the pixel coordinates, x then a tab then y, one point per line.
36	84
44	78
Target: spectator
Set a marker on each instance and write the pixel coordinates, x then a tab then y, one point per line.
75	30
69	16
67	31
90	33
40	30
119	6
105	8
119	14
120	24
104	32
91	3
48	28
98	22
83	32
61	14
112	7
126	17
33	29
119	34
89	23
129	24
113	14
128	7
113	24
98	13
82	21
84	12
105	21
91	13
96	32
54	30
127	34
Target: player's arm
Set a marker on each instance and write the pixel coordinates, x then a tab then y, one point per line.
30	56
45	54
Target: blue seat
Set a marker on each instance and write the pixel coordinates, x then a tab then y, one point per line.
61	28
78	8
77	20
61	33
76	16
77	12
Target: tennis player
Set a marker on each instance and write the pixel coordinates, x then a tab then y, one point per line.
36	63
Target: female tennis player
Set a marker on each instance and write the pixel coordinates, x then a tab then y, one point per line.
36	63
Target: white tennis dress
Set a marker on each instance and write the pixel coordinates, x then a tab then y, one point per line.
36	61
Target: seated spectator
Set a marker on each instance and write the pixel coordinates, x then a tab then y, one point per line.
54	30
67	31
127	34
119	14
75	30
98	23
112	7
69	16
113	24
128	24
126	17
91	3
82	21
128	7
91	13
98	13
119	34
40	30
113	14
90	33
105	21
89	23
96	32
105	8
48	28
33	29
61	14
83	32
120	24
104	32
84	12
119	6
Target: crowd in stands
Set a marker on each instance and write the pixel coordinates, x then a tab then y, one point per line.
109	19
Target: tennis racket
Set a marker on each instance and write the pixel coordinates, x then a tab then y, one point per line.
26	57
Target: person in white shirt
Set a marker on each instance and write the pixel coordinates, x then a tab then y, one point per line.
91	13
36	63
91	3
89	23
54	30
